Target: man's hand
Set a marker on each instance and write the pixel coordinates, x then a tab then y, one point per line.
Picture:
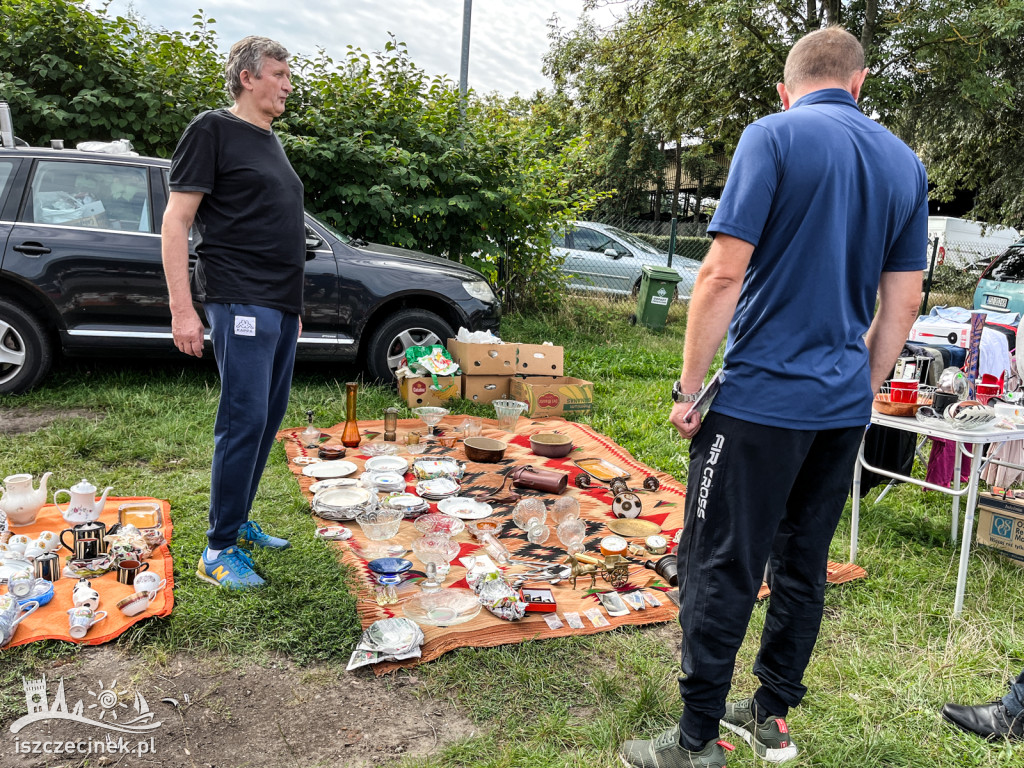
685	419
188	329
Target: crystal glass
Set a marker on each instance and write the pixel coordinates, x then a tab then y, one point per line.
431	416
565	508
530	514
508	412
438	549
310	436
571	533
391	424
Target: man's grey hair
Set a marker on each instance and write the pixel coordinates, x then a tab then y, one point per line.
826	55
248	53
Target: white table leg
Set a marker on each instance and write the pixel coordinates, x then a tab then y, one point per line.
855	507
965	544
958	457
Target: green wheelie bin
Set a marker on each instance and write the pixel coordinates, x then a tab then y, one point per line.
657	290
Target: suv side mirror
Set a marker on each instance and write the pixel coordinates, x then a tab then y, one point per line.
312	243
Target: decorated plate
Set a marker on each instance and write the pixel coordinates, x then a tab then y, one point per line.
337	482
305	460
326	469
438	488
333	533
12	565
387	464
464	508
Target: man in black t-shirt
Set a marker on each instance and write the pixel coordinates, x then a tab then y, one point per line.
231	178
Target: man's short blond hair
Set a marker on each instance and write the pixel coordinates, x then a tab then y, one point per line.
248	53
826	55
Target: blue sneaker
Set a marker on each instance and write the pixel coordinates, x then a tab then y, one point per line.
231	569
251	535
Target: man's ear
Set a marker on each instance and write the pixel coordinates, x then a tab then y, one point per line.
856	82
783	94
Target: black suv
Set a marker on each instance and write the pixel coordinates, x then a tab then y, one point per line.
80	268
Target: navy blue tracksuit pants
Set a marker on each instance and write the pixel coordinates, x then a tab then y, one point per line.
255	352
755	495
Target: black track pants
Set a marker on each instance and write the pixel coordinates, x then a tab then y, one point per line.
755	494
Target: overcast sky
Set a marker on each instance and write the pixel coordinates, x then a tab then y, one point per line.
507	43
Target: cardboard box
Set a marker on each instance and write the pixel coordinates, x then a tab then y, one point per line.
540	360
485	389
552	395
417	391
1001	525
941	332
483	359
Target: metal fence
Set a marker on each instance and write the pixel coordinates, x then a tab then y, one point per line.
954	270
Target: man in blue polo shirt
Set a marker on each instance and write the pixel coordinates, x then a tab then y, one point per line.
824	211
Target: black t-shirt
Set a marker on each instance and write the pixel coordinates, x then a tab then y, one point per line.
250	221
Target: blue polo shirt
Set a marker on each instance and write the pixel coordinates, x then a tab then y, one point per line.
830	199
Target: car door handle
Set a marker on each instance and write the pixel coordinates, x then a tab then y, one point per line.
32	249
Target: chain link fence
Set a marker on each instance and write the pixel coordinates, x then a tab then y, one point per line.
955	268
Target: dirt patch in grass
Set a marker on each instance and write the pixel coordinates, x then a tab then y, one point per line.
215	712
17	421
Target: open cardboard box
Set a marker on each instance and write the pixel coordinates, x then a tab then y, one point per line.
553	395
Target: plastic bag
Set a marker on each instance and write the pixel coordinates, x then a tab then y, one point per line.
433	361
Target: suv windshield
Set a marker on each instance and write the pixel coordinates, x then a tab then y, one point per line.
1009	267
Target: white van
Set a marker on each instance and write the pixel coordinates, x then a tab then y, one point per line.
962	244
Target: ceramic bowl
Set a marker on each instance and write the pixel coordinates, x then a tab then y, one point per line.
379	524
551	444
134	604
484	449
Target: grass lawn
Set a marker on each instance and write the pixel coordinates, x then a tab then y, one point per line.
889	653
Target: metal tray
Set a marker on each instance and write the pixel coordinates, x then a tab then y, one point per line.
599	469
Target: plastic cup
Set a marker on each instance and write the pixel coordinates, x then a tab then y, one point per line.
903	390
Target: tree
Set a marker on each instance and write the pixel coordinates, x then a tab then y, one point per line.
380	146
945	75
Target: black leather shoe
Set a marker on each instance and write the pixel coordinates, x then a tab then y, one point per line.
990	721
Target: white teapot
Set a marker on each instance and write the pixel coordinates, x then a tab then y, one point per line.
20	501
83	506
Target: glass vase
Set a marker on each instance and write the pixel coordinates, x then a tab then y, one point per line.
350	435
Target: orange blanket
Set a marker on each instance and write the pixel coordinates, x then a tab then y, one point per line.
50	621
663	507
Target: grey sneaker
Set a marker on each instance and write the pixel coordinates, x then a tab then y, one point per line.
664	751
770	740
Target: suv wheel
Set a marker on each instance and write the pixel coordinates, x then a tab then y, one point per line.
405	329
25	353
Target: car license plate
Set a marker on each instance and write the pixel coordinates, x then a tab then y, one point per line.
996	301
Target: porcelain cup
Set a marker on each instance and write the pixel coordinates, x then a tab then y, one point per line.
48	541
81	618
18	544
21	584
127	570
149	582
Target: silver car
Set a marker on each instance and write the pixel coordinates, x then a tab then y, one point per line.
599	258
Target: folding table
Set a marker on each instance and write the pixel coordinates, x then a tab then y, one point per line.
979	438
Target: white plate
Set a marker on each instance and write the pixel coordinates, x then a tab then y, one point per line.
330	469
464	508
342	498
439	487
303	460
337	482
13	565
387	464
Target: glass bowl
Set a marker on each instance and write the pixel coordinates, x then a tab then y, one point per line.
443	608
379	524
436	548
437	523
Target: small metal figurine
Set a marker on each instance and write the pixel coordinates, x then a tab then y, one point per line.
584	565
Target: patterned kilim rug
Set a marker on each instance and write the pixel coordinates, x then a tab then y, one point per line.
663	507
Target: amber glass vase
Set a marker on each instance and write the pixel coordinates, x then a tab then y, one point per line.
350	436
